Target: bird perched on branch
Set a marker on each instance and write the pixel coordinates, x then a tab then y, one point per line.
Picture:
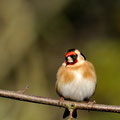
76	79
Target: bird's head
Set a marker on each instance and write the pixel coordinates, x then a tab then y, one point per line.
73	56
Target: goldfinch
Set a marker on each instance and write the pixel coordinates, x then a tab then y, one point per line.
76	79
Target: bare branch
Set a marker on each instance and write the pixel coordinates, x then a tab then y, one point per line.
53	102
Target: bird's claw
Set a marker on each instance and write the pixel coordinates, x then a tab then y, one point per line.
91	103
61	101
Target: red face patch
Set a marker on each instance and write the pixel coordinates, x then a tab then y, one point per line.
73	55
70	53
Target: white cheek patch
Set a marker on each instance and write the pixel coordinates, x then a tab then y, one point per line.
78	89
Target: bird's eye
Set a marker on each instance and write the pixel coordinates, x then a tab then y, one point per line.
74	56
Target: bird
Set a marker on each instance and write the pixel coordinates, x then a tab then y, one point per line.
76	79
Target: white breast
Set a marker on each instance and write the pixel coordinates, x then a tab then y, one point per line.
78	89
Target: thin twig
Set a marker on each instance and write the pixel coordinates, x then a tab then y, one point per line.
53	102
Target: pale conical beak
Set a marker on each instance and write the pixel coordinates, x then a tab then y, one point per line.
69	59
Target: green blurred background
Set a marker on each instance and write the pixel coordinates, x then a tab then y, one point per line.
34	35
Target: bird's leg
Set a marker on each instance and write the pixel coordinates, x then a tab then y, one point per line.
61	100
24	90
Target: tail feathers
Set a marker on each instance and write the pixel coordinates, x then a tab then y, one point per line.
67	113
74	114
